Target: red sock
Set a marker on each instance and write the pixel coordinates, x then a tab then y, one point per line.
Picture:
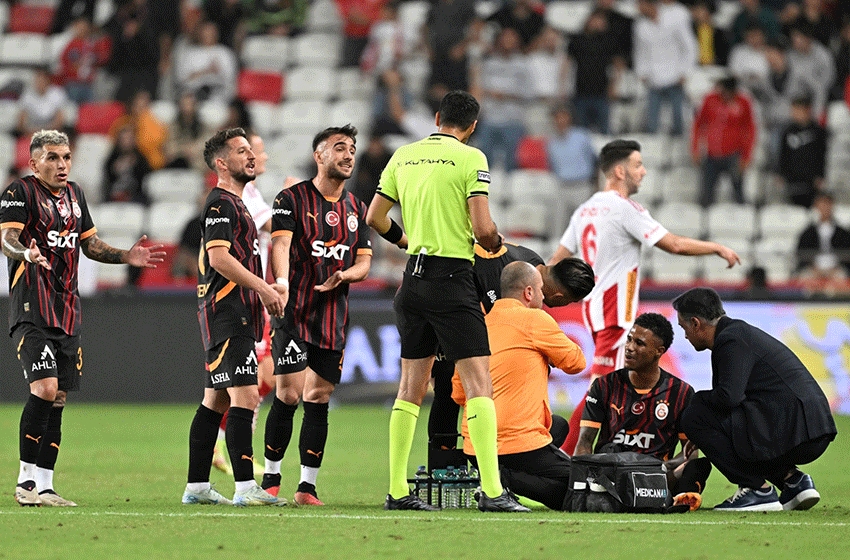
569	446
223	424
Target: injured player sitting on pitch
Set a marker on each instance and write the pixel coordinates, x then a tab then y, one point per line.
638	408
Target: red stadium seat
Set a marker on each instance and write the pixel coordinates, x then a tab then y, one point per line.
531	153
260	86
24	18
96	118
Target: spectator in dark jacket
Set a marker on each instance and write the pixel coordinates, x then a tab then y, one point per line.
712	42
802	154
823	249
592	52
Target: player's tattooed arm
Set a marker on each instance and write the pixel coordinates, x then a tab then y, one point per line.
14	249
98	250
138	255
586	437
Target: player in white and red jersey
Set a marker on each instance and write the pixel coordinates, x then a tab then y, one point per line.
261	213
609	231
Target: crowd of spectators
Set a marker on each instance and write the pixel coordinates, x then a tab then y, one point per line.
778	63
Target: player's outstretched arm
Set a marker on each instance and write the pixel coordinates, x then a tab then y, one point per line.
138	255
13	249
586	437
226	265
680	245
357	272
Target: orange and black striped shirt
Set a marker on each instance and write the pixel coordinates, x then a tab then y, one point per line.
226	309
58	223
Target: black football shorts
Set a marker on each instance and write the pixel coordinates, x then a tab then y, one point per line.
291	354
49	352
233	363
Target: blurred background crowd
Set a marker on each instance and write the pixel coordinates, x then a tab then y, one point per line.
741	108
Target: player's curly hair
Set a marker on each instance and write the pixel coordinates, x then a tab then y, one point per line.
214	146
44	138
659	325
615	152
347	130
575	275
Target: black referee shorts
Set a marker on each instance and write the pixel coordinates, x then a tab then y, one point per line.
440	307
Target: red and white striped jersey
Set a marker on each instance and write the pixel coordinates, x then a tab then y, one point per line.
608	232
261	212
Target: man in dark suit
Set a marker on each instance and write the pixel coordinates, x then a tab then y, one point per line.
764	415
823	249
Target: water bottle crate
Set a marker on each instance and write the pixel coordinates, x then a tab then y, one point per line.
446	494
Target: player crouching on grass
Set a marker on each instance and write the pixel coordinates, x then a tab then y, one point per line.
638	409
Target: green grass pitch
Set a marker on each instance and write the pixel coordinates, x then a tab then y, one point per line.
126	467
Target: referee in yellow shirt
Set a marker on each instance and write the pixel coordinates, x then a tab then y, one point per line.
442	186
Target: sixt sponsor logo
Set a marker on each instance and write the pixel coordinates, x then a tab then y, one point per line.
64	240
640	440
329	250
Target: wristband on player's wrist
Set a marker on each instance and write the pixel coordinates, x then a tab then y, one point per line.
28	255
394	234
282	281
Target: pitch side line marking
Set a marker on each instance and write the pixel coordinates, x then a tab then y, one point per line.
508	519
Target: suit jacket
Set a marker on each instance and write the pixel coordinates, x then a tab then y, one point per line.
771	399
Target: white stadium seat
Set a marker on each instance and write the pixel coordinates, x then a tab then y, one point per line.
353	84
681	184
715	269
7	152
783	221
681	218
310	82
356	112
291	153
570	16
776	256
265	118
114	275
842	214
24	49
674	268
124	219
318	50
166	220
212	114
527	218
270	184
302	116
266	52
9	112
725	219
165	111
727	10
412	16
838	117
174	185
90	153
322	15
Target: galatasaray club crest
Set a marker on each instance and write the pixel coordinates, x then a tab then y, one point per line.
352	222
661	410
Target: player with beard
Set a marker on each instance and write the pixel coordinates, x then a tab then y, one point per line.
609	232
320	245
231	297
45	223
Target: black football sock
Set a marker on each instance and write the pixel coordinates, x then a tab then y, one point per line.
444	410
49	450
34	420
279	429
238	437
314	433
307	488
202	437
694	476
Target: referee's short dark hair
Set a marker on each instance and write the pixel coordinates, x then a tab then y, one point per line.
214	146
575	275
459	109
347	130
616	151
700	302
659	325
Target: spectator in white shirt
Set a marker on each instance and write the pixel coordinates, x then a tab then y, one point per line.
502	84
41	106
207	68
812	62
748	61
665	52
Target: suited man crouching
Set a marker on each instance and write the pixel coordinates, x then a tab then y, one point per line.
764	414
